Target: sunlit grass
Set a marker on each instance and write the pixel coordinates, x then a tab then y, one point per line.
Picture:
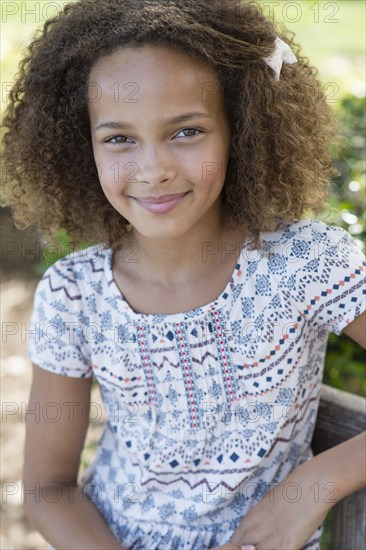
331	35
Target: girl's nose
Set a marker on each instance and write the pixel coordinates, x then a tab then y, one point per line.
154	165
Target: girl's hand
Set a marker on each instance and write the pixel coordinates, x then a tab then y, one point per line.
287	515
228	546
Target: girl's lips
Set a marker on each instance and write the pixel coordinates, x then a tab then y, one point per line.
161	207
161	198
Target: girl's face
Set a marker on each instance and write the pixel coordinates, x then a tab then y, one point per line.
141	151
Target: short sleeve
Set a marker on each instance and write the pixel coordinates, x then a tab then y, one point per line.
57	341
328	276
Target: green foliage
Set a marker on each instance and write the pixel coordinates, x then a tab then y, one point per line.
345	365
348	189
345	360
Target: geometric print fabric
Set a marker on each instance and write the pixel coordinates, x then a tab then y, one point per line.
207	408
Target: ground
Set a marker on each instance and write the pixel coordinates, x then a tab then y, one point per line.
17	291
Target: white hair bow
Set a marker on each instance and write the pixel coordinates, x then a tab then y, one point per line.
282	54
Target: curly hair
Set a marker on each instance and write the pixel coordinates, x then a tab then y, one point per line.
282	131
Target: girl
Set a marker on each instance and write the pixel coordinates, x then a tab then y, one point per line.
189	143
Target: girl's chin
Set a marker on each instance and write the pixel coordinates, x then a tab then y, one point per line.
161	235
165	231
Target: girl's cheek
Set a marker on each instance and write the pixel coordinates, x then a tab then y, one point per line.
113	171
213	173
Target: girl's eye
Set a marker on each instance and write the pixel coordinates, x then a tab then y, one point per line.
190	130
118	139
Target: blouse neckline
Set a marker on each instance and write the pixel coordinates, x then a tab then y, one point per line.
220	302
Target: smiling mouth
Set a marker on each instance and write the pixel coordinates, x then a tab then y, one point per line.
161	198
162	204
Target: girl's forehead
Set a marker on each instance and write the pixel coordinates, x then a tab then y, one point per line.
150	63
152	75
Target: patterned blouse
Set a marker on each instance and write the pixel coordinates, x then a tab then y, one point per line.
210	408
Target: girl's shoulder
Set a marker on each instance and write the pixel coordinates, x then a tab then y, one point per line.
302	234
80	263
317	267
79	275
310	244
63	307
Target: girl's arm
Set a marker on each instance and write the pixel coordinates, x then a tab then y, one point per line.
289	515
56	426
276	522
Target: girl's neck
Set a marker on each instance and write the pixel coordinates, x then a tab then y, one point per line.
170	262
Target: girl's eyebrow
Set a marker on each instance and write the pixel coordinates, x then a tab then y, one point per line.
115	125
